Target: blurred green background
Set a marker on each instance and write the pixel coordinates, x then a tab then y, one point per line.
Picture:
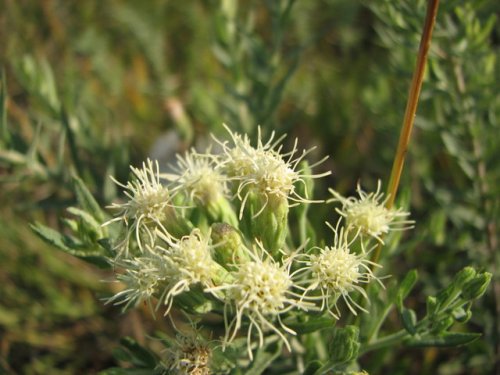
89	87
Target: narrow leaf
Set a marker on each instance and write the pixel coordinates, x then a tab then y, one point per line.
312	325
409	319
71	141
140	355
405	287
86	218
86	199
444	340
51	236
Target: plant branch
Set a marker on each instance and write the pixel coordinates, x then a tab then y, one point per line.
411	108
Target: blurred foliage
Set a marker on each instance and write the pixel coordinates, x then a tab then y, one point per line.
88	87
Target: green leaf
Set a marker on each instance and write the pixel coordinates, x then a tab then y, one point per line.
409	319
106	244
96	260
73	148
86	218
51	236
66	244
405	287
442	325
312	325
312	368
86	199
140	356
447	339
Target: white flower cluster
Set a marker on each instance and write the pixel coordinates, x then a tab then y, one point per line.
166	251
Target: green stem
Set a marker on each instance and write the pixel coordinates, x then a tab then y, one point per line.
420	327
381	320
393	339
384	342
411	108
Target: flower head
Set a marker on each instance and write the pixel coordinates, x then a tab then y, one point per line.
189	355
192	263
143	277
199	178
167	270
368	214
261	289
336	272
263	170
149	204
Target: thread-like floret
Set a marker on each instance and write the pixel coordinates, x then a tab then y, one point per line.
167	270
263	170
335	271
199	178
261	289
368	214
149	204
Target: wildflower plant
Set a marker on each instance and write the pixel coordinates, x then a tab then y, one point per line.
263	292
216	241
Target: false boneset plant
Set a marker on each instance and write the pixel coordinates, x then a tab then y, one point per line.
213	240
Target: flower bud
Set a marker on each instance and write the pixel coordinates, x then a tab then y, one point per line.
431	305
464	276
228	247
476	287
344	345
271	224
220	210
